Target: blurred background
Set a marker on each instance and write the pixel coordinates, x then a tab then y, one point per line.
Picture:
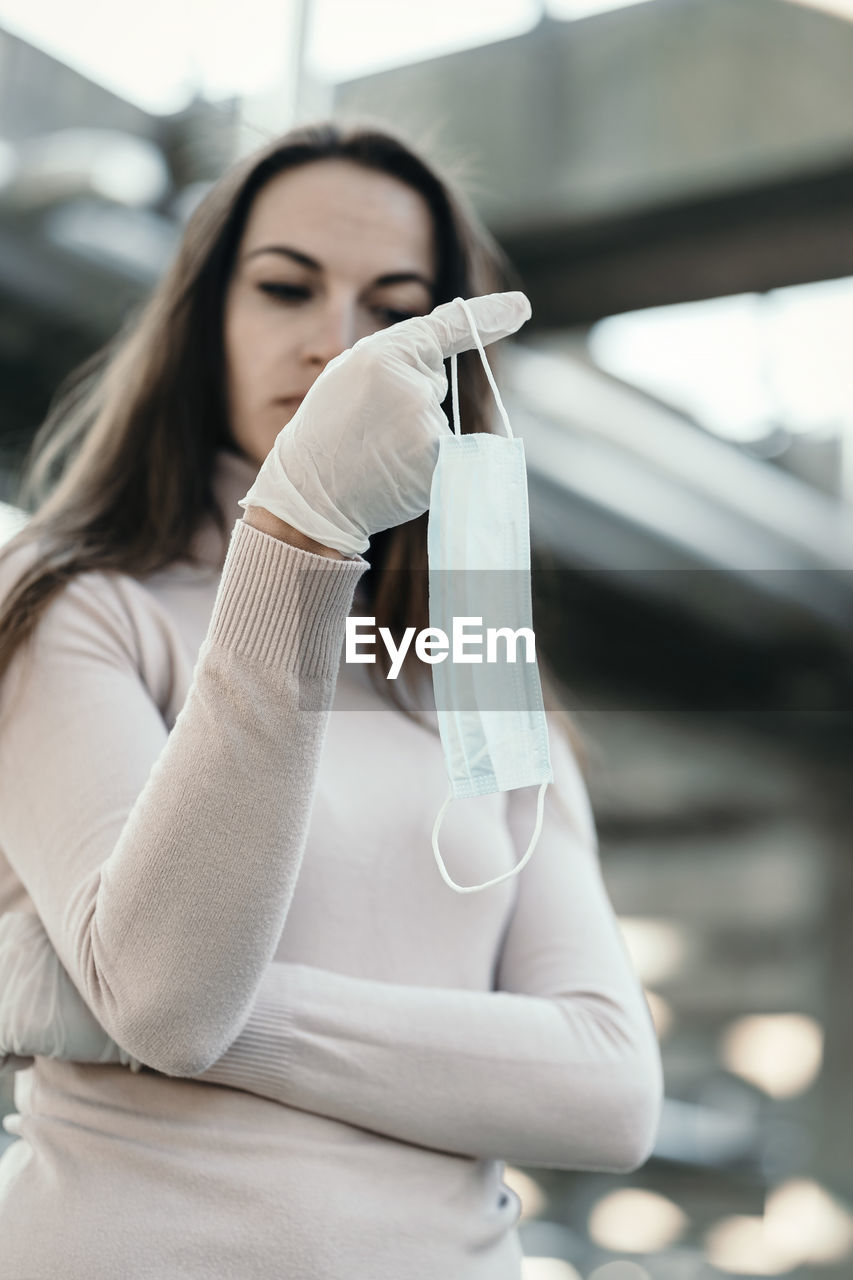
673	180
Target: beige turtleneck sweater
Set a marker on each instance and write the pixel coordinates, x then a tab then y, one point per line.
226	834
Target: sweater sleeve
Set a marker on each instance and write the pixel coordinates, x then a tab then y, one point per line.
559	1067
162	864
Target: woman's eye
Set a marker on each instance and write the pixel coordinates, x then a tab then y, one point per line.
391	316
285	292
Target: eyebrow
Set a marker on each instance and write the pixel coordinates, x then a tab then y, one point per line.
393	277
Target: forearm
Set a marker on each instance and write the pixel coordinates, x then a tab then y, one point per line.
567	1082
162	863
571	1082
217	835
559	1066
260	518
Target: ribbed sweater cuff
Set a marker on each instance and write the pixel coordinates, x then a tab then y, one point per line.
259	1059
281	605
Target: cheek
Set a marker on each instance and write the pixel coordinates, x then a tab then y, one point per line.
238	336
258	345
232	341
247	357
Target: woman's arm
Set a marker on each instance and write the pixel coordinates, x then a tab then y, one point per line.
559	1067
162	865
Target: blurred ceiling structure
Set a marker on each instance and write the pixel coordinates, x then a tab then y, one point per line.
697	600
665	151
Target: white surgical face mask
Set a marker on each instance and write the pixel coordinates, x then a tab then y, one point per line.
491	716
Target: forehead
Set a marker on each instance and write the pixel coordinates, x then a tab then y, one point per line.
346	216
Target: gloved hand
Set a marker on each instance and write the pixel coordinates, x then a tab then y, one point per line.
41	1011
359	453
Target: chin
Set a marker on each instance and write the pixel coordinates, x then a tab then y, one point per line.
281	415
256	441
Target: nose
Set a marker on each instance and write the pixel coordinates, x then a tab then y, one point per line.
332	330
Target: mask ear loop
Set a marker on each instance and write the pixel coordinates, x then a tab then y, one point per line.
492	383
540	802
475	888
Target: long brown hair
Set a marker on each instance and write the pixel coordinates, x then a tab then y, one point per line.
120	474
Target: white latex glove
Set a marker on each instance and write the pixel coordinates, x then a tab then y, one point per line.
41	1011
359	453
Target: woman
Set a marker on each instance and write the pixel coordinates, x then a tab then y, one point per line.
338	1054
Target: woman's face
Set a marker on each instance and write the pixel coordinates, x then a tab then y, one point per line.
331	252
